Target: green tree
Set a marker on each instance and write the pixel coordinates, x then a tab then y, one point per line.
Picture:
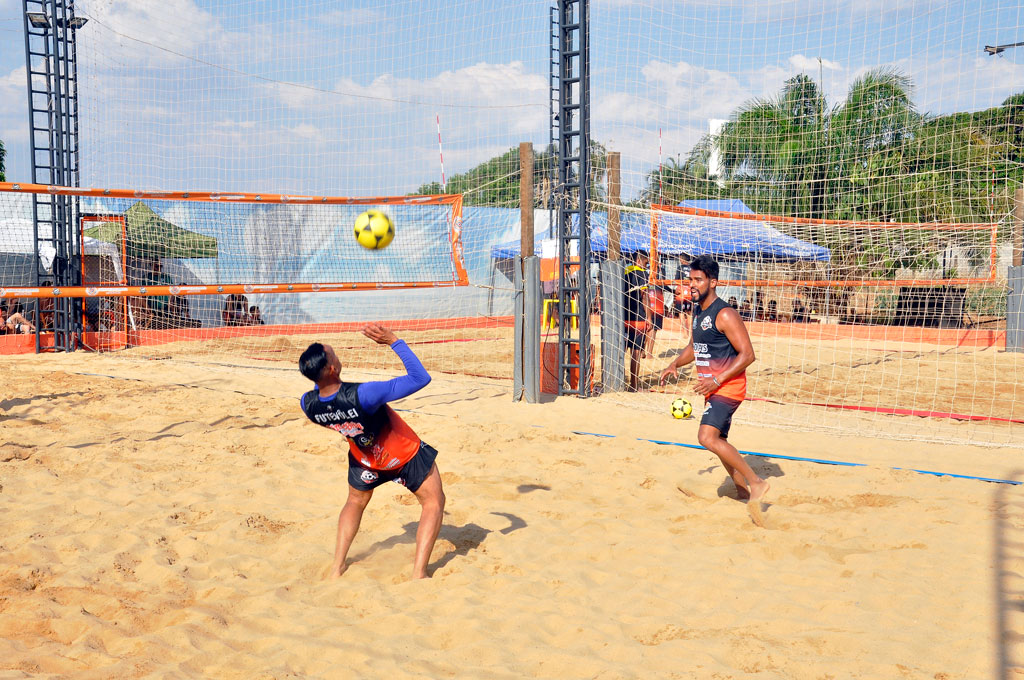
495	182
3	154
794	154
774	151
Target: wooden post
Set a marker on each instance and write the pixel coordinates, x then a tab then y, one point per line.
526	198
614	201
1017	239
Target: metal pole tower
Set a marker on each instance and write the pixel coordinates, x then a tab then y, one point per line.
51	64
573	227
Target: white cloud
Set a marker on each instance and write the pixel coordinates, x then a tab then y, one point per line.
810	64
127	34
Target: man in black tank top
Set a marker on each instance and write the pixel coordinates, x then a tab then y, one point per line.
722	351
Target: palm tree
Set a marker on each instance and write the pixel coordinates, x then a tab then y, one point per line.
773	150
794	154
866	139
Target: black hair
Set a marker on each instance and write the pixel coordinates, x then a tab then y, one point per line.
705	263
313	361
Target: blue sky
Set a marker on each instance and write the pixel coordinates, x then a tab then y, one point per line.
342	97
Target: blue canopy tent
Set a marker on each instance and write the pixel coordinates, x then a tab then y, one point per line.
690	234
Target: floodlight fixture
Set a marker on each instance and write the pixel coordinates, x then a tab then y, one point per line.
38	19
998	49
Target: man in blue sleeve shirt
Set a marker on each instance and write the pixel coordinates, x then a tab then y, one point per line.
382	447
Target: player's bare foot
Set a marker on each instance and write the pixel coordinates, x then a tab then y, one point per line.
416	577
758	491
757	494
336	572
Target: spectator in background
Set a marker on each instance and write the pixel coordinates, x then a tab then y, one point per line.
45	321
773	311
255	317
656	305
236	311
733	303
635	314
746	314
799	310
13	322
159	305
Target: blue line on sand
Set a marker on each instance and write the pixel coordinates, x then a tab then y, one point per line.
822	461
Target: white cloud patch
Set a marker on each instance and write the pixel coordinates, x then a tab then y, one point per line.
811	64
127	34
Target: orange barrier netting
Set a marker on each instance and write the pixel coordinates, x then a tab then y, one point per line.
454	234
149	291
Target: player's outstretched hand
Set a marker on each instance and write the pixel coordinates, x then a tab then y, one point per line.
379	334
670	371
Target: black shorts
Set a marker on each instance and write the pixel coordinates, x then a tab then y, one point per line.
718	413
411	475
635	337
657	321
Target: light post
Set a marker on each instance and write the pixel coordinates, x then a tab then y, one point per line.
51	70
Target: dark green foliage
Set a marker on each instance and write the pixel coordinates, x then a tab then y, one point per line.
872	157
496	181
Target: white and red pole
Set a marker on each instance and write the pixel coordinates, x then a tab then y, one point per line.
440	151
660	187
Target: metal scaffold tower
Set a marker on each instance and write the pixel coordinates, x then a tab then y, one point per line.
51	66
573	228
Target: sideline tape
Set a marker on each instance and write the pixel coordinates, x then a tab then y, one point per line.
820	461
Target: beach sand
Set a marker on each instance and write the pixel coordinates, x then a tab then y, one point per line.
164	518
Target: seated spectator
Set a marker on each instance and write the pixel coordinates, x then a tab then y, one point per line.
745	312
235	312
758	310
14	322
255	317
799	310
733	303
159	305
45	309
773	311
178	315
91	322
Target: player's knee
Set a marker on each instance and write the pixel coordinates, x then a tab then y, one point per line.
706	438
359	500
434	502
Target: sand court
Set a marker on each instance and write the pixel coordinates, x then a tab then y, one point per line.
176	519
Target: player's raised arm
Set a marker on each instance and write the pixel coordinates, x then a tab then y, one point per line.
373	395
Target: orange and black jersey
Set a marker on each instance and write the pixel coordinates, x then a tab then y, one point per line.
713	352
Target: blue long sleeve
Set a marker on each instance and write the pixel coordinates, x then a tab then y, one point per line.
373	395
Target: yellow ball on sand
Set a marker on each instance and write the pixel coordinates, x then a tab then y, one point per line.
374	230
681	408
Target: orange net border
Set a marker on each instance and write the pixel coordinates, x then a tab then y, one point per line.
454	234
